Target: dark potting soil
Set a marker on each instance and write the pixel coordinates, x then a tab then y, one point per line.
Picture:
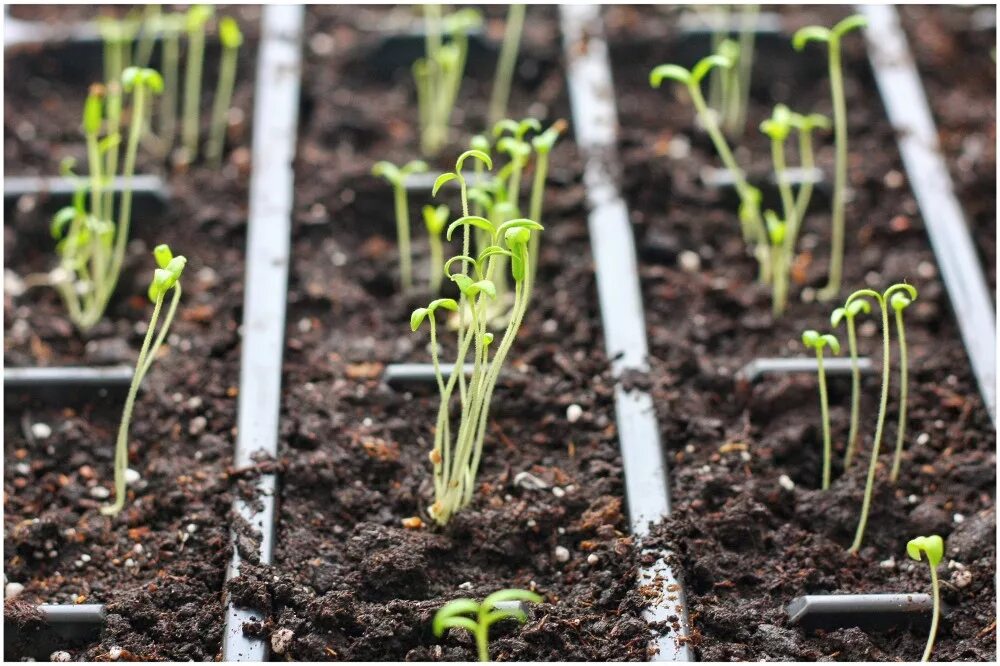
350	581
745	543
160	566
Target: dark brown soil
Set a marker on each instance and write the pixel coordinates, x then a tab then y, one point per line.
160	566
350	581
746	546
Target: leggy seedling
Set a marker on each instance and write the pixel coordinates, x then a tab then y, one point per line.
848	314
397	178
933	548
814	340
505	64
832	37
750	216
778	127
900	302
196	18
231	39
455	614
166	279
435	219
805	124
883	300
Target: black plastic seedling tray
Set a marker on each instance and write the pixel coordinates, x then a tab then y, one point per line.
150	195
872	612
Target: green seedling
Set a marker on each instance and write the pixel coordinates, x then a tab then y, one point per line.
813	340
883	301
195	19
91	247
505	67
438	75
397	178
778	127
734	117
933	548
436	219
456	463
832	37
848	315
456	614
231	39
899	302
805	125
172	27
543	144
117	36
166	280
752	222
149	28
777	233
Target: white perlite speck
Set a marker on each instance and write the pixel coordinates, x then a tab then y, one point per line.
573	413
281	640
961	578
114	653
689	261
888	564
785	482
593	559
958	518
11	590
60	655
558	492
562	554
100	492
132	476
41	430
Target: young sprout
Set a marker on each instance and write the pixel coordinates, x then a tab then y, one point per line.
814	340
507	61
455	614
933	548
883	301
149	27
457	462
778	127
397	178
117	36
166	279
172	28
899	302
231	39
195	20
832	37
805	124
542	144
777	233
753	224
848	314
735	117
435	219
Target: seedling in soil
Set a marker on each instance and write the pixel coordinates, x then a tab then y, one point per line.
91	247
455	614
543	144
832	37
231	39
166	279
456	463
397	178
117	36
806	124
778	127
814	340
883	301
195	20
505	67
777	232
171	27
752	222
848	314
933	548
435	219
438	75
900	302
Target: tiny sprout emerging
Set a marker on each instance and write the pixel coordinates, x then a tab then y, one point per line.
166	277
848	314
435	219
813	340
831	37
455	614
397	178
899	302
933	548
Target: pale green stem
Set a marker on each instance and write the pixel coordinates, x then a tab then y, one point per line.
168	106
825	415
876	444
537	199
787	250
745	65
852	438
192	91
937	614
113	107
403	236
505	68
903	390
220	105
832	288
437	260
806	189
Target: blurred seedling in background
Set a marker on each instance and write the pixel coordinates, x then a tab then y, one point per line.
396	176
848	315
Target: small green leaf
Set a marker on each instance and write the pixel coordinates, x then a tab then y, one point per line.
163	255
487	339
483	286
229	33
197	16
705	65
511	595
544	142
836	316
519	223
435	218
517	236
475	154
932	546
899	302
850	23
454	610
93	111
672	72
832	342
414	166
160	283
389	171
60	220
175	267
446	303
859	306
480	143
471	220
811	338
441	180
811	33
504	125
417	318
775	228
